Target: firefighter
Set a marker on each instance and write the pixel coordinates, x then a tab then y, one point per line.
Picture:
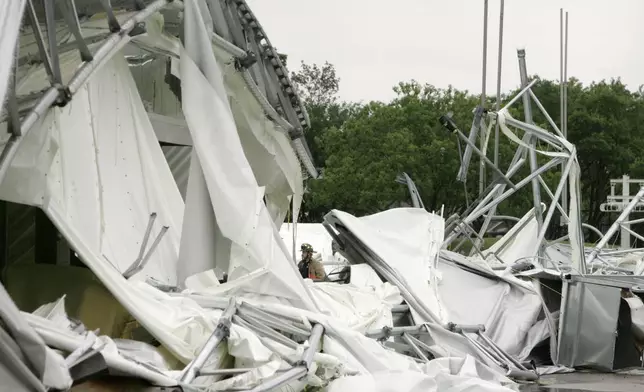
309	266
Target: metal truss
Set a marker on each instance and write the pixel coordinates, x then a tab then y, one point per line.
236	30
535	141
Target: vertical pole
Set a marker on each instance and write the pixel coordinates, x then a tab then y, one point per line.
564	100
498	84
482	133
527	108
625	236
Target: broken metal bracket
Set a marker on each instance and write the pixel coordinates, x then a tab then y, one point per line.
142	258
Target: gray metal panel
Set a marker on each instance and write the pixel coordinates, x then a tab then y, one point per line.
178	158
588	325
21	231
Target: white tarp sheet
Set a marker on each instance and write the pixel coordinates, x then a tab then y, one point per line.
259	261
408	240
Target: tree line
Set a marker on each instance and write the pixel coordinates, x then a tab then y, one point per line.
361	147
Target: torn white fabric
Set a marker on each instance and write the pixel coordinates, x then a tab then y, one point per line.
259	263
48	366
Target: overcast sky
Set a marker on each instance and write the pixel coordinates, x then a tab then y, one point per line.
374	44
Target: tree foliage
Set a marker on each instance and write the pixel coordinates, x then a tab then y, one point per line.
363	147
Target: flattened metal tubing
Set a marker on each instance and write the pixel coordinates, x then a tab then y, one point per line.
133	271
486	159
424	346
297	372
533	129
300	322
414	347
82	75
615	226
490	354
519	95
273	321
68	8
50	20
112	22
291	375
314	344
221	332
265	331
500	352
40	41
146	237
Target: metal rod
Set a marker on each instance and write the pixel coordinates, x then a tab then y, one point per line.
467	154
271	321
314	343
128	274
68	8
620	251
299	371
561	68
272	384
112	22
232	371
615	226
564	117
485	159
639	237
498	83
40	41
144	243
411	343
532	153
508	193
263	330
519	95
50	19
221	332
565	82
555	201
635	221
482	134
484	67
500	351
423	345
545	113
